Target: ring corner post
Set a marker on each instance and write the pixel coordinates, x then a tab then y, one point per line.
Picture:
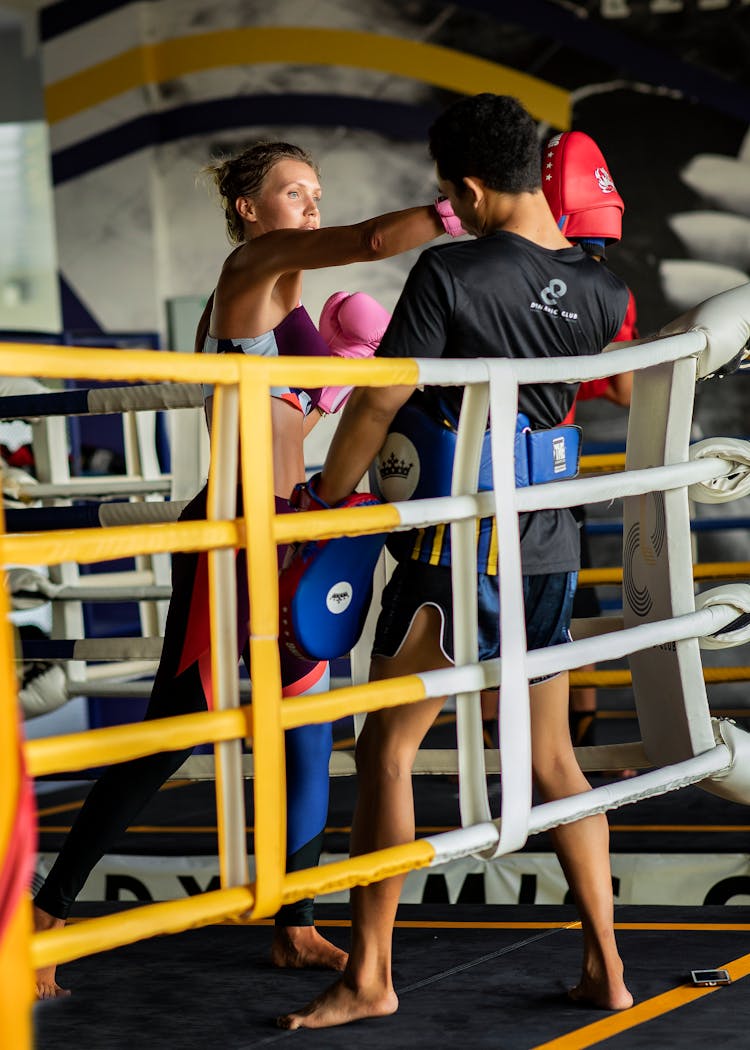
658	568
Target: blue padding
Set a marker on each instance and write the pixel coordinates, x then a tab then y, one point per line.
332	596
416	461
551	455
308	750
43	519
56	403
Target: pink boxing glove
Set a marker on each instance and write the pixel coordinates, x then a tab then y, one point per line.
352	325
451	222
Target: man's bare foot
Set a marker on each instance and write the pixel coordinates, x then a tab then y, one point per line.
46	985
303	947
340	1004
602	994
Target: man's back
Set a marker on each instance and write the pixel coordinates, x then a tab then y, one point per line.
505	296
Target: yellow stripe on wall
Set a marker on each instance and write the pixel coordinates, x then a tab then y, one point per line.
429	63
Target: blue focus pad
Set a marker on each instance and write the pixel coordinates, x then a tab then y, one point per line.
416	460
523	428
553	454
325	591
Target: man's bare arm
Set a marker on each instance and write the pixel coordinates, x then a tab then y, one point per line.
359	437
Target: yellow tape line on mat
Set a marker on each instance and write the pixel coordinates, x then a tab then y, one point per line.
642	1012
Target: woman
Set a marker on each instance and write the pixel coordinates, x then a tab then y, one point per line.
271	195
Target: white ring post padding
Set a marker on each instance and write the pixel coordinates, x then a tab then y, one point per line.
735	595
734	783
514	715
723	321
221	504
144	397
668	685
472	777
733	485
140	513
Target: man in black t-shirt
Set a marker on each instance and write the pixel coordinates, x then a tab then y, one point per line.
518	290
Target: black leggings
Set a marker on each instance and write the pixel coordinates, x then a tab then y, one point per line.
122	791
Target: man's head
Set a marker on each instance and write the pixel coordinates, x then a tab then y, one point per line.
488	137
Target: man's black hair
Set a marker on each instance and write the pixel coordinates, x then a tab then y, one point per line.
491	137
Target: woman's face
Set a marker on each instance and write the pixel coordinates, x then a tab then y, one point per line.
288	199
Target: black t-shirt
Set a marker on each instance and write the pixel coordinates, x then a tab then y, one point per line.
504	296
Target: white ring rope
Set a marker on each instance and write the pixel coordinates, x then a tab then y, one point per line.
30	588
143	397
77	488
484	839
606	487
421	513
443	372
145	593
140	513
610	646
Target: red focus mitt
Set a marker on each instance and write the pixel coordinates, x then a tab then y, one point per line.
580	190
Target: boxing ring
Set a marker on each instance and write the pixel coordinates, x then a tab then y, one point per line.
662	629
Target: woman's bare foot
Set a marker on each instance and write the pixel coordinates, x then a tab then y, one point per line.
340	1004
604	993
302	947
46	985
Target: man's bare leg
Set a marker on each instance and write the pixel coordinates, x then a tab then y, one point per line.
582	848
46	985
304	947
384	816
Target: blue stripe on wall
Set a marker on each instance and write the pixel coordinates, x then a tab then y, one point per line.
397	120
59	18
75	314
